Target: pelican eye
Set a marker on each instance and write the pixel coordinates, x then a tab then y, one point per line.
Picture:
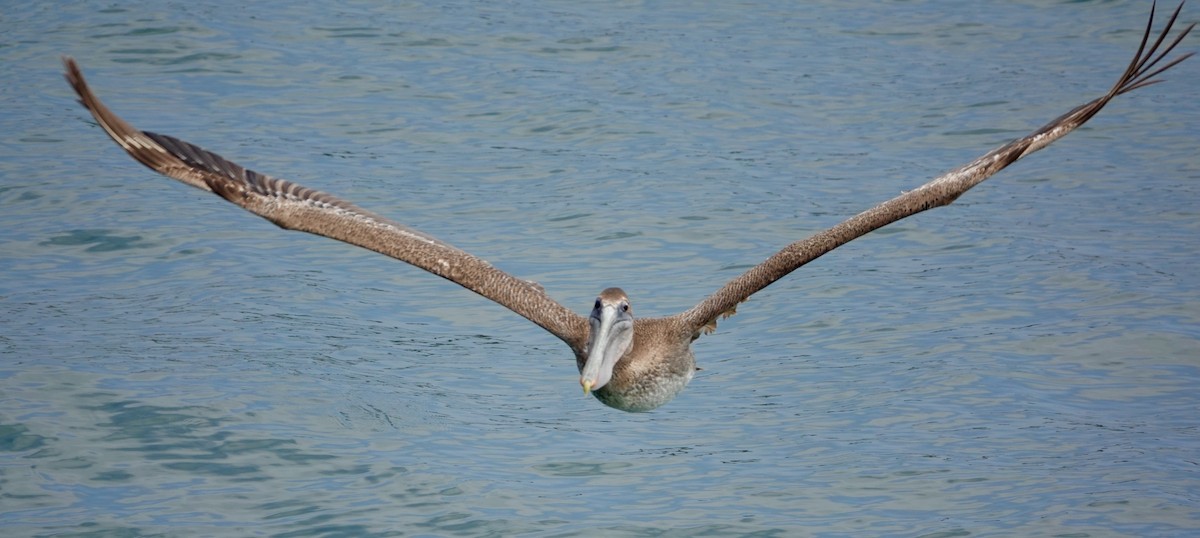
624	307
597	307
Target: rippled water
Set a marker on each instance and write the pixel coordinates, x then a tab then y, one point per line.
1022	363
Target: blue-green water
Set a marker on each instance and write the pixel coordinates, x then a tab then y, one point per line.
1022	363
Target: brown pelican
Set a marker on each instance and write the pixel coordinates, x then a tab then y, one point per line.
633	364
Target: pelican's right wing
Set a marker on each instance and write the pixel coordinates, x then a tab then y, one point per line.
294	207
936	193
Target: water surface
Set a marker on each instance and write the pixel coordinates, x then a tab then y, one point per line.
1022	363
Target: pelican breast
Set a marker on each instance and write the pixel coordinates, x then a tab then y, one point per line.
657	368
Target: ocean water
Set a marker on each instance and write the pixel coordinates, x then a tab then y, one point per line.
1024	362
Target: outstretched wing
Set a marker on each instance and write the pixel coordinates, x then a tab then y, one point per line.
295	207
938	192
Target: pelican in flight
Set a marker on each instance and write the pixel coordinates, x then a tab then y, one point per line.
632	364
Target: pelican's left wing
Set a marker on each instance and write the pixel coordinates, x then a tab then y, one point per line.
295	207
938	192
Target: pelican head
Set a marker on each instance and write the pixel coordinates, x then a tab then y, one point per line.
611	335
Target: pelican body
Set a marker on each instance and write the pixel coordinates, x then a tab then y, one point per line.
632	364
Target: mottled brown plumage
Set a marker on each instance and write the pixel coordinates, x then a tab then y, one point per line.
630	364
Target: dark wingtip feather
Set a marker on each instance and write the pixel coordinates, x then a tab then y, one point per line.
75	78
1141	70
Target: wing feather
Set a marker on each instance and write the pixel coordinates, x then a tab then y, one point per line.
294	207
940	191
